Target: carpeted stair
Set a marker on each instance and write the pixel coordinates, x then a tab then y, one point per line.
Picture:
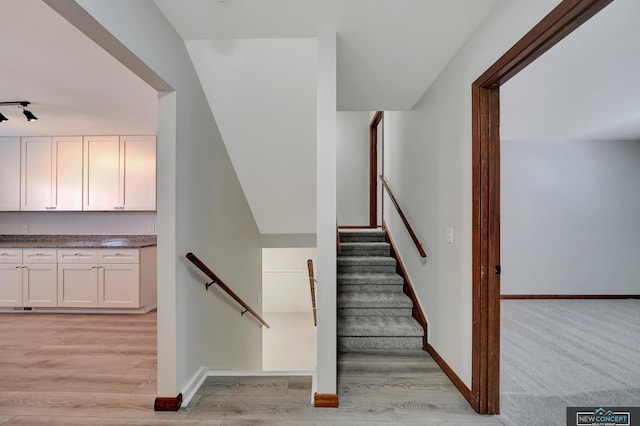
373	311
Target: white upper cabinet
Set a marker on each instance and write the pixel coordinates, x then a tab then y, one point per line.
138	172
102	173
9	173
51	173
120	173
66	186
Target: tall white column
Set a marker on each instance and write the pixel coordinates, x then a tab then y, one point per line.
326	213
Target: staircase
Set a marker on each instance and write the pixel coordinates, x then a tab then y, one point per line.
373	311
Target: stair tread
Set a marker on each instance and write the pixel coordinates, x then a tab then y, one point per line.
379	327
353	231
374	300
366	260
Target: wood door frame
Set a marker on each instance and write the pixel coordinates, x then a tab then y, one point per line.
566	17
378	119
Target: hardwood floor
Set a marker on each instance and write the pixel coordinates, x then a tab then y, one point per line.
78	370
375	388
101	370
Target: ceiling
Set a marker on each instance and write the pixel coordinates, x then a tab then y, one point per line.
389	51
75	87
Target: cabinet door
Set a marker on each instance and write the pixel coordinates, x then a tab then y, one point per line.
10	285
77	285
36	173
9	174
40	285
101	173
66	189
138	172
119	285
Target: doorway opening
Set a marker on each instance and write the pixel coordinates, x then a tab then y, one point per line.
376	169
560	22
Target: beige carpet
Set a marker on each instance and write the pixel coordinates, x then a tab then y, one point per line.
559	353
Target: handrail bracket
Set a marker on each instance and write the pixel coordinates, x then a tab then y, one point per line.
207	285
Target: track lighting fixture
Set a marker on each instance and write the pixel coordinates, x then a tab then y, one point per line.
25	111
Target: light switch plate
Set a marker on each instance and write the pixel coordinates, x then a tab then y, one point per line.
448	235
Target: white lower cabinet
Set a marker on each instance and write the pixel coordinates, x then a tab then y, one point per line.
78	278
77	285
118	285
107	278
28	278
10	285
40	285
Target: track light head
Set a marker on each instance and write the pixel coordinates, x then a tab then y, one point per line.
29	115
25	111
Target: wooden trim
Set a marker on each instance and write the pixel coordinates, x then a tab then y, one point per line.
412	234
373	169
216	280
569	296
325	400
457	382
407	288
561	21
312	286
167	404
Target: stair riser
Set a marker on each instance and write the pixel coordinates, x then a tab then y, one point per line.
365	312
370	288
362	238
351	269
358	251
353	279
346	344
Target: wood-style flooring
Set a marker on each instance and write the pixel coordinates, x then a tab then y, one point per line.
101	370
375	388
68	369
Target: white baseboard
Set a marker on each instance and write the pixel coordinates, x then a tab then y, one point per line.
30	310
193	385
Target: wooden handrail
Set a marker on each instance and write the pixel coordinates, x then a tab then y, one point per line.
404	219
312	286
215	280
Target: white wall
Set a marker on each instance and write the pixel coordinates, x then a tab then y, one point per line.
290	342
353	167
285	279
263	95
210	215
600	51
429	167
569	217
82	223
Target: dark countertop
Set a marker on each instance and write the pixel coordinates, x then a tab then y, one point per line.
77	241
